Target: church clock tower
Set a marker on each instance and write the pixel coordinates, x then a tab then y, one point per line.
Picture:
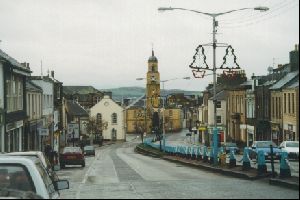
153	83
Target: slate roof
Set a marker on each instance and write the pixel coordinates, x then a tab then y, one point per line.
30	86
220	96
293	85
139	103
13	61
285	80
74	109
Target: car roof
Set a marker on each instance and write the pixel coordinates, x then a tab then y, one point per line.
18	159
27	153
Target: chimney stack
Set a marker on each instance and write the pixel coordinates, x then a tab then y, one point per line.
296	47
52	74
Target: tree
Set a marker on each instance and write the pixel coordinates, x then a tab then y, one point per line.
95	128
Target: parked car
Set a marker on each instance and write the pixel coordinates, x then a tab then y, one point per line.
265	147
291	147
17	194
28	174
41	156
72	156
231	145
89	150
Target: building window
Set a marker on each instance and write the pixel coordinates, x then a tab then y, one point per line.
277	109
14	88
289	103
284	102
58	93
293	103
273	108
114	118
279	99
219	104
219	119
99	118
233	110
171	113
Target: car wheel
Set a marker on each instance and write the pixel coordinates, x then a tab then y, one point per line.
63	166
83	165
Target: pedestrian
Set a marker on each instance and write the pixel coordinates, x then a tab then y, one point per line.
49	153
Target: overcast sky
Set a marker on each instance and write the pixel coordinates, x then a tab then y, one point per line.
106	43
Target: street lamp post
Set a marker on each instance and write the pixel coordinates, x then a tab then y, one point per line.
215	24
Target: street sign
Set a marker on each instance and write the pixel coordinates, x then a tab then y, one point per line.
43	131
73	128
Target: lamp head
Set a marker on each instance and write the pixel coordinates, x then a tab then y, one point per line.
262	8
162	9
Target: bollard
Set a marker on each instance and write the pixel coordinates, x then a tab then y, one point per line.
188	153
246	160
232	159
261	163
211	157
199	153
285	170
193	154
222	160
205	156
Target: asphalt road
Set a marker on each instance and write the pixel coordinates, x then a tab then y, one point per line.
117	172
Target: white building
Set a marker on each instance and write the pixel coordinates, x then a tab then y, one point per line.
113	114
221	114
47	85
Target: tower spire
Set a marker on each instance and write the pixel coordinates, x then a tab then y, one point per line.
152	50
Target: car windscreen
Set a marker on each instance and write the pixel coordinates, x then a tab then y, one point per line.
88	148
265	144
13	176
292	144
72	150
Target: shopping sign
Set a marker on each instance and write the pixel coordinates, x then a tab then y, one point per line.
73	128
43	131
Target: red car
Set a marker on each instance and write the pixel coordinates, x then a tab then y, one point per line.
72	156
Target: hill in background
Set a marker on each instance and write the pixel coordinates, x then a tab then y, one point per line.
136	92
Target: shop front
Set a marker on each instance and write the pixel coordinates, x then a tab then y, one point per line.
14	137
276	137
289	132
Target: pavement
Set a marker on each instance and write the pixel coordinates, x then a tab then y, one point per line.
251	174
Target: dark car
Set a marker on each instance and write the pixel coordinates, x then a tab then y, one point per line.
72	156
230	145
265	147
89	150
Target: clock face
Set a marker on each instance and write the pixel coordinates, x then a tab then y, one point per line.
106	103
153	78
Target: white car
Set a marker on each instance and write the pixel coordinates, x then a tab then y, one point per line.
29	175
37	154
291	147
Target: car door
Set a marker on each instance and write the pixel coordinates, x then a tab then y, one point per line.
53	194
